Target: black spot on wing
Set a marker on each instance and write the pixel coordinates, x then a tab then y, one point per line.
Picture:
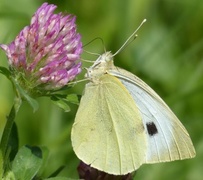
151	128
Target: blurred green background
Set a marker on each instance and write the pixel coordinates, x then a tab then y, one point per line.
168	55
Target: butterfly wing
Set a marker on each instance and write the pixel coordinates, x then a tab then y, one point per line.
108	132
167	138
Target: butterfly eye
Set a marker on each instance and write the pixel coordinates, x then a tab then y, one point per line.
151	129
108	56
87	75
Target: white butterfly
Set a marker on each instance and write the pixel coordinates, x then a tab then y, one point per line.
122	123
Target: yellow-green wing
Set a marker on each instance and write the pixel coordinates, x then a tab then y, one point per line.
108	132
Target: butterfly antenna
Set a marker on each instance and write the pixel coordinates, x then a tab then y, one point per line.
133	36
93	41
95	54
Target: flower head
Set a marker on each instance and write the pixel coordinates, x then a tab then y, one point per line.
87	172
44	56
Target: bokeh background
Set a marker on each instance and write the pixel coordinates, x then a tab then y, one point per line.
168	55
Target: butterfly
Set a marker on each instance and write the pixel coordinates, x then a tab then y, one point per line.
122	123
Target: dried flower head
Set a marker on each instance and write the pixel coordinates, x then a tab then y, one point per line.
44	56
87	172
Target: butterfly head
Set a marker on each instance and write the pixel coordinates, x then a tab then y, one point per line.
100	66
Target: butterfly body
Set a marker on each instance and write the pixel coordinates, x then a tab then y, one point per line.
122	123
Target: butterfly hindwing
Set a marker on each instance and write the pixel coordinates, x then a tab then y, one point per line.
167	139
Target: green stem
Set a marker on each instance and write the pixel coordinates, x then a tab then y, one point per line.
6	135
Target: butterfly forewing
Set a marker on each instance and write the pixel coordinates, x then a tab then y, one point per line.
167	139
108	132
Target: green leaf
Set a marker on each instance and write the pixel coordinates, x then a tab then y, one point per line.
27	162
11	148
62	104
9	176
13	142
30	100
73	98
63	100
45	152
5	72
4	144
